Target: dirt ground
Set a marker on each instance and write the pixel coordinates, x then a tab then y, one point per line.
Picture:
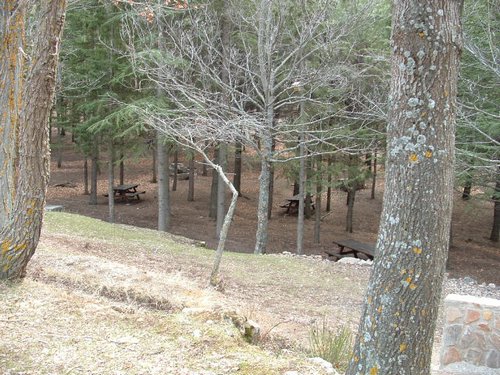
472	254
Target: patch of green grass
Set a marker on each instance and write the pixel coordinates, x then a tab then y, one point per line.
334	346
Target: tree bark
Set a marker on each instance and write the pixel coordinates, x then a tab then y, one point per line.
176	163
351	195
238	148
495	230
163	163
317	208
29	112
111	181
86	177
467	188
212	212
122	168
93	172
12	66
221	189
153	156
190	196
374	174
329	188
399	317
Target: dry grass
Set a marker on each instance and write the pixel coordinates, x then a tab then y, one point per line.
111	299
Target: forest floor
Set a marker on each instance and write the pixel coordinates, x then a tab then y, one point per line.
471	255
112	299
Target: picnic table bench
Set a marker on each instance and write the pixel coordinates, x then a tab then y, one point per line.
292	204
351	247
126	192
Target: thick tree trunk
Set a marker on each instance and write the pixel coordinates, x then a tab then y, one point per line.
163	163
20	232
60	143
397	325
111	182
11	73
238	148
93	171
495	230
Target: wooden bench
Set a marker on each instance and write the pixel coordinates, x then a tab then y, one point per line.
135	194
351	247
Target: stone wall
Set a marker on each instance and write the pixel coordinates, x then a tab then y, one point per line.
471	332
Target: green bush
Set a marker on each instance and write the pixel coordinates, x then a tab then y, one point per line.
334	346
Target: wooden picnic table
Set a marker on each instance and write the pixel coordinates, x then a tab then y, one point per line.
126	192
351	247
292	204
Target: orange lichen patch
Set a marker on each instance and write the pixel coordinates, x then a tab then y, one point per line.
408	280
421	34
413	286
20	247
402	348
413	158
379	309
5	246
374	371
417	250
428	154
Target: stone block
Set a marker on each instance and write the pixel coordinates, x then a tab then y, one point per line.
451	355
454	314
487	315
55	208
452	334
474	356
473	339
472	316
493	359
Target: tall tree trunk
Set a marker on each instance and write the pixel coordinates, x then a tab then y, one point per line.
221	189
111	181
190	196
176	164
93	171
86	177
351	195
397	326
238	148
329	188
262	208
301	192
12	66
317	208
60	143
163	163
212	212
153	156
122	168
374	174
495	230
28	111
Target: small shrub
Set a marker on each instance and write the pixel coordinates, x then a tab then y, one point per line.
334	346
